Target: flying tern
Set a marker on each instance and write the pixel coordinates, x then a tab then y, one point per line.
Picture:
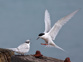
23	48
50	33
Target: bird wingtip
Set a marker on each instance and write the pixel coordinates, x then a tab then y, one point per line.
46	10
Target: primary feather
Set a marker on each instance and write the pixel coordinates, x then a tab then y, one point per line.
57	26
47	22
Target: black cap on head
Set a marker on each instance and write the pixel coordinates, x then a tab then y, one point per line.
41	34
27	41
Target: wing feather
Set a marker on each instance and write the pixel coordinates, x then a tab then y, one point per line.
47	21
22	46
13	49
57	26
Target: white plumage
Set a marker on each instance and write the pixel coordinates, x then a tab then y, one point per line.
50	33
23	48
47	22
57	26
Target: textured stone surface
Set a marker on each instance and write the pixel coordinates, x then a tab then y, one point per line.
8	56
5	55
31	58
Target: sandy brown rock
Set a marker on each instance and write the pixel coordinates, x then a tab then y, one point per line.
5	55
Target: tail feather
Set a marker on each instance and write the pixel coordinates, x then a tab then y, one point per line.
13	49
59	48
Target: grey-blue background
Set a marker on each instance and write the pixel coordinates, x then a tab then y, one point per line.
24	19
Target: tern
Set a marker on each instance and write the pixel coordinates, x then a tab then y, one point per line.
50	33
23	48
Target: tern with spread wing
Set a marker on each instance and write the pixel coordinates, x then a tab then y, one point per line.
50	33
23	48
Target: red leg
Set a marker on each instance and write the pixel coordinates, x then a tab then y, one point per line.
44	44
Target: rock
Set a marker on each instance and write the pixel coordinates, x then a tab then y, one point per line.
31	58
37	57
8	56
5	55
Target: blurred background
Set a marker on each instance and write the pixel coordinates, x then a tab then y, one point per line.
24	19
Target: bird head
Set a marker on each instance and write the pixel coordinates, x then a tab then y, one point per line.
40	35
27	41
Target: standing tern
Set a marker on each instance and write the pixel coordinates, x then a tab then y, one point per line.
23	48
50	33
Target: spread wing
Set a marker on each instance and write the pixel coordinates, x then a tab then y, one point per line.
57	26
47	22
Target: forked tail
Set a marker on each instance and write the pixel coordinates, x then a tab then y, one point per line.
59	48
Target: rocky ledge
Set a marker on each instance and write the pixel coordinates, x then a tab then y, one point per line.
37	57
31	58
8	56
